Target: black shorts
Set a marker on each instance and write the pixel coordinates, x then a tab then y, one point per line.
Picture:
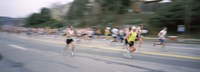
114	37
83	35
125	42
137	37
131	43
90	36
68	41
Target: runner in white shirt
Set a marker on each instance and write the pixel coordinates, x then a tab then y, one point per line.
114	34
70	41
161	36
121	35
139	32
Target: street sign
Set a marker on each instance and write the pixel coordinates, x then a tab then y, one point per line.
181	28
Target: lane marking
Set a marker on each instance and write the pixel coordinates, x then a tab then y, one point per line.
184	48
149	53
114	49
105	48
17	47
171	55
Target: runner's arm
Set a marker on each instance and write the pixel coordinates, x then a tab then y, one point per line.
159	33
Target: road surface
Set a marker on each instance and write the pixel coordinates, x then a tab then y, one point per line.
19	53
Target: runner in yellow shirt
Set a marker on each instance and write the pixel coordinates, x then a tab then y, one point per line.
131	39
107	33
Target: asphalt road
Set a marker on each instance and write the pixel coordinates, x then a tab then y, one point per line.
19	53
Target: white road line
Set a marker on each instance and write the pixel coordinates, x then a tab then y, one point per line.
17	47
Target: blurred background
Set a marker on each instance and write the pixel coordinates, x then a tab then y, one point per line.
180	16
33	35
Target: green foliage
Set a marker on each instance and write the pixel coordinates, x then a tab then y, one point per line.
34	19
177	13
109	19
115	6
135	21
107	7
77	9
42	19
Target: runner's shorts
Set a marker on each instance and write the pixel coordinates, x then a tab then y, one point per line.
68	41
161	40
131	43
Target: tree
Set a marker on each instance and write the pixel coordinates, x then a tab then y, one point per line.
179	12
34	19
42	19
45	13
115	6
77	9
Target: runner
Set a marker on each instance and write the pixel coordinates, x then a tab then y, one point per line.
115	37
121	35
115	32
139	36
126	35
131	39
70	41
90	33
125	46
78	36
161	36
84	34
98	33
107	33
